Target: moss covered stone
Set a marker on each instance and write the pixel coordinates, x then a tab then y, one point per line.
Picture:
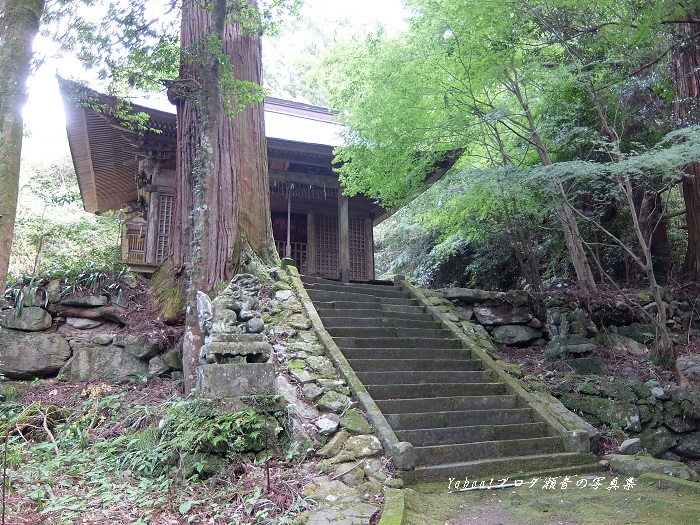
355	423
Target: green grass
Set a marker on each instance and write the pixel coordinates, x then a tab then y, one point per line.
644	504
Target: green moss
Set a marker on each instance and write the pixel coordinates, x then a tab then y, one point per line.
280	285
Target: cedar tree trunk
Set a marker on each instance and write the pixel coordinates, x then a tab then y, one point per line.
685	71
223	207
19	24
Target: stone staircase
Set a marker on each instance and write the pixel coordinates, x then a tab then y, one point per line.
461	420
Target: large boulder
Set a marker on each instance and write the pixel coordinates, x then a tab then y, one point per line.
114	363
515	334
470	295
638	465
503	314
29	319
27	355
690	366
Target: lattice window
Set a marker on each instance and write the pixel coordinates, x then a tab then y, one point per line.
327	246
358	250
298	253
164	227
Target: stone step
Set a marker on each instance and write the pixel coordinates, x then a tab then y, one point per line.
378	321
447	404
434	353
309	279
375	312
440	454
403	377
325	296
389	332
523	468
427	420
393	342
367	289
415	365
438	390
471	434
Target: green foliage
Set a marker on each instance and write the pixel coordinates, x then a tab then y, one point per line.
52	231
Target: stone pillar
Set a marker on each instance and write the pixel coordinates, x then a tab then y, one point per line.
343	238
311	243
369	249
153	224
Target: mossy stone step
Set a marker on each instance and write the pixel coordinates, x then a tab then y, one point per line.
471	434
415	365
413	391
326	296
513	468
447	404
440	454
403	377
392	342
328	312
434	353
378	321
443	419
389	332
376	291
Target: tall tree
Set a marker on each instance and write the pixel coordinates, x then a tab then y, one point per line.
223	214
19	24
685	71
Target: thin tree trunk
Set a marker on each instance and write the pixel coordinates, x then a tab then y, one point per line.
223	205
19	26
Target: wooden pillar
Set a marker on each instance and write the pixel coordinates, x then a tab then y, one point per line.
343	238
311	243
152	225
369	249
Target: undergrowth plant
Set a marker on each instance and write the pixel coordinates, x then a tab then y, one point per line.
126	463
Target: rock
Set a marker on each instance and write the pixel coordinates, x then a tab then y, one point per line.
334	446
333	402
637	465
642	333
173	359
254	325
586	365
114	363
656	441
283	295
322	366
470	295
355	423
102	339
675	418
512	369
690	366
621	343
302	375
53	291
403	455
28	355
327	425
83	324
349	473
605	411
312	391
374	470
87	300
659	393
514	334
236	351
630	446
296	406
157	366
688	445
29	319
310	348
299	322
500	315
362	446
138	347
617	390
535	323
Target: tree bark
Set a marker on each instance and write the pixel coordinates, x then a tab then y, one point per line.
18	27
223	207
685	71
